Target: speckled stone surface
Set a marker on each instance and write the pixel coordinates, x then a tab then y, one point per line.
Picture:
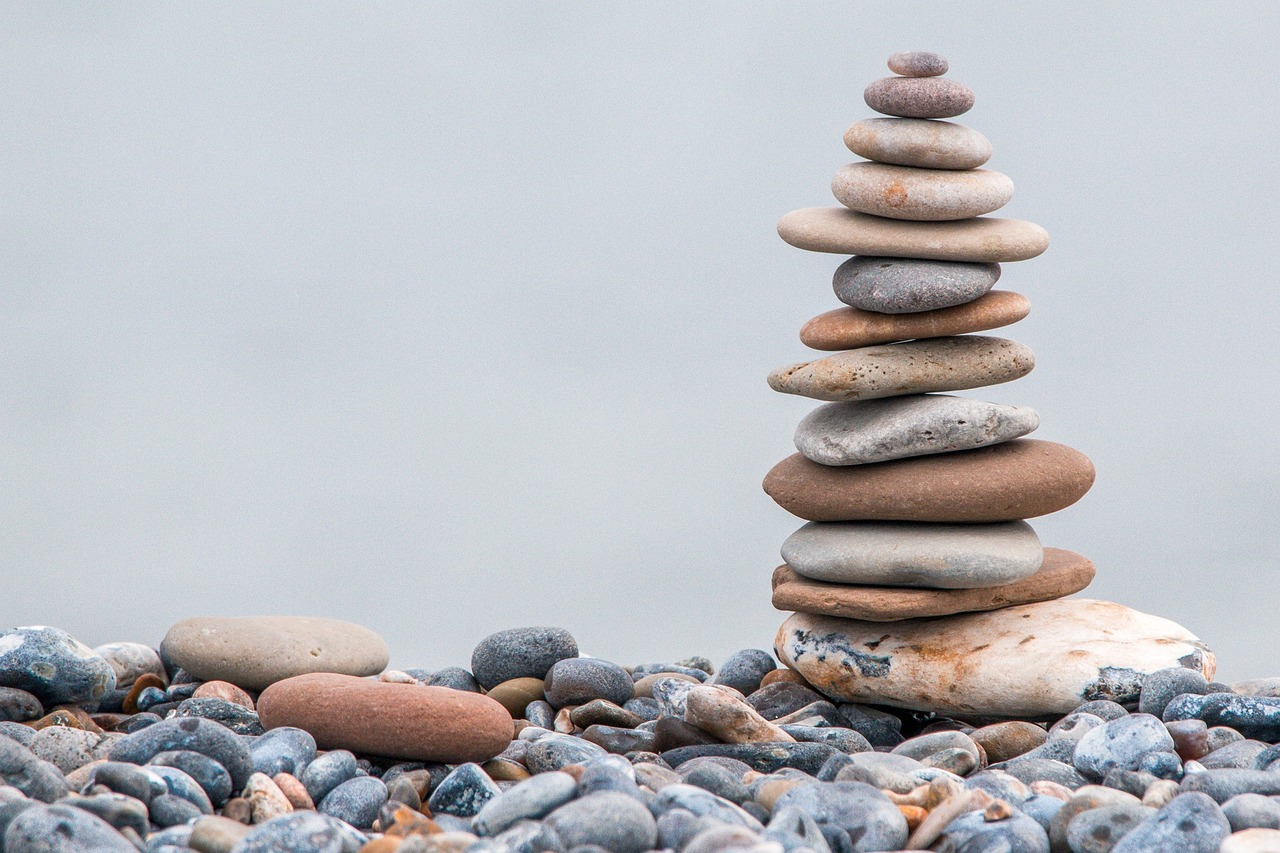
985	239
918	63
909	285
925	195
925	143
919	97
850	328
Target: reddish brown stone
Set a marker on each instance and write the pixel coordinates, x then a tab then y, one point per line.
293	791
147	679
1017	479
850	328
1062	573
224	690
406	721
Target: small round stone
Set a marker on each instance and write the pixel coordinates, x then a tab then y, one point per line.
21	769
910	285
920	195
211	776
576	681
1120	743
356	801
63	829
283	750
919	97
130	661
19	706
464	792
328	772
520	653
531	799
917	63
310	831
613	820
919	142
744	669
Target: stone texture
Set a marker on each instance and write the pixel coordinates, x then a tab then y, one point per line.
53	666
893	553
920	195
864	431
913	367
255	651
986	239
1062	574
994	663
129	661
407	721
917	63
1017	479
520	653
918	142
851	328
919	97
729	718
910	285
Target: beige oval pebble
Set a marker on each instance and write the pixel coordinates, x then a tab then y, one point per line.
921	142
1029	662
919	97
985	239
918	63
850	328
729	718
920	195
915	367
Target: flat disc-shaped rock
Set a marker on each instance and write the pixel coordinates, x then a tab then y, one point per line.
1031	661
918	63
866	431
985	239
1063	573
918	142
915	367
919	97
922	195
908	285
898	553
1022	478
255	651
850	328
408	721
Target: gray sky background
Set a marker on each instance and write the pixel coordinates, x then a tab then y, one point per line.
447	318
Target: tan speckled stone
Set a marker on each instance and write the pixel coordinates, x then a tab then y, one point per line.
850	328
985	239
918	63
918	142
925	195
919	97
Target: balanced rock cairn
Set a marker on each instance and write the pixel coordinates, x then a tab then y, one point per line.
917	581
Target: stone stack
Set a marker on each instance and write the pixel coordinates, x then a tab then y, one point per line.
918	582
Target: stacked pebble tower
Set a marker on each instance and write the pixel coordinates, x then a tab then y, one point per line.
917	501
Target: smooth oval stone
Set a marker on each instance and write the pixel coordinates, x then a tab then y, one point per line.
53	666
187	734
917	63
609	819
463	792
63	829
299	831
920	195
1190	823
21	769
19	706
744	669
914	367
356	801
910	285
851	328
857	808
1255	840
1120	744
1005	741
255	651
531	799
406	721
520	653
576	681
865	431
328	772
919	97
936	556
210	775
985	239
1252	716
130	661
1062	574
283	750
1030	661
918	142
1023	478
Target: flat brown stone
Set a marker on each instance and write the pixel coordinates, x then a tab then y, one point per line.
850	328
1061	574
412	722
984	239
1023	478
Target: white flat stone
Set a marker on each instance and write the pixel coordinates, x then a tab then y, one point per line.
1032	661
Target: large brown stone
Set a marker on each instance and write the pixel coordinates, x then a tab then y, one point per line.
850	328
1023	478
984	239
1061	574
406	721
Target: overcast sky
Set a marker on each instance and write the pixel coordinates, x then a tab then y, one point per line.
447	318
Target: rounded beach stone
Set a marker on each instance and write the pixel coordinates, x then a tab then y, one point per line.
1190	823
1062	574
19	706
864	431
531	799
129	661
21	769
910	285
63	829
914	367
1255	840
608	819
919	97
255	651
850	328
859	809
920	195
356	801
744	669
918	142
1023	478
576	681
53	666
917	63
520	653
986	239
210	775
192	734
1004	741
406	721
1120	744
1029	662
307	830
936	556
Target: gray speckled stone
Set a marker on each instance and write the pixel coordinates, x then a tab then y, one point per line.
21	769
53	666
1098	830
1019	833
576	681
1252	716
531	799
129	661
919	97
328	772
356	801
298	832
283	750
920	195
63	829
463	792
1120	743
608	819
1190	823
1252	811
189	733
918	63
867	431
860	810
520	653
211	776
18	706
938	556
908	285
744	668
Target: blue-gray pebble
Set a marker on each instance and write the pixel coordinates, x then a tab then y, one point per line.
211	776
531	799
1226	783
53	666
463	792
20	768
170	810
238	718
552	752
1255	717
453	677
62	829
188	733
1097	830
908	285
328	772
119	810
18	706
1160	687
1120	743
1189	823
1252	811
971	832
609	819
744	669
576	681
859	809
520	653
356	801
283	750
180	784
300	832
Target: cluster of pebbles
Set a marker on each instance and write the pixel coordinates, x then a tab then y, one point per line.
918	580
248	735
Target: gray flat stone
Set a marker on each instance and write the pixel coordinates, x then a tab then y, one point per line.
866	431
937	556
920	195
910	285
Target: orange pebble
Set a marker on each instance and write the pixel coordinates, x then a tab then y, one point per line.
914	815
147	679
224	690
